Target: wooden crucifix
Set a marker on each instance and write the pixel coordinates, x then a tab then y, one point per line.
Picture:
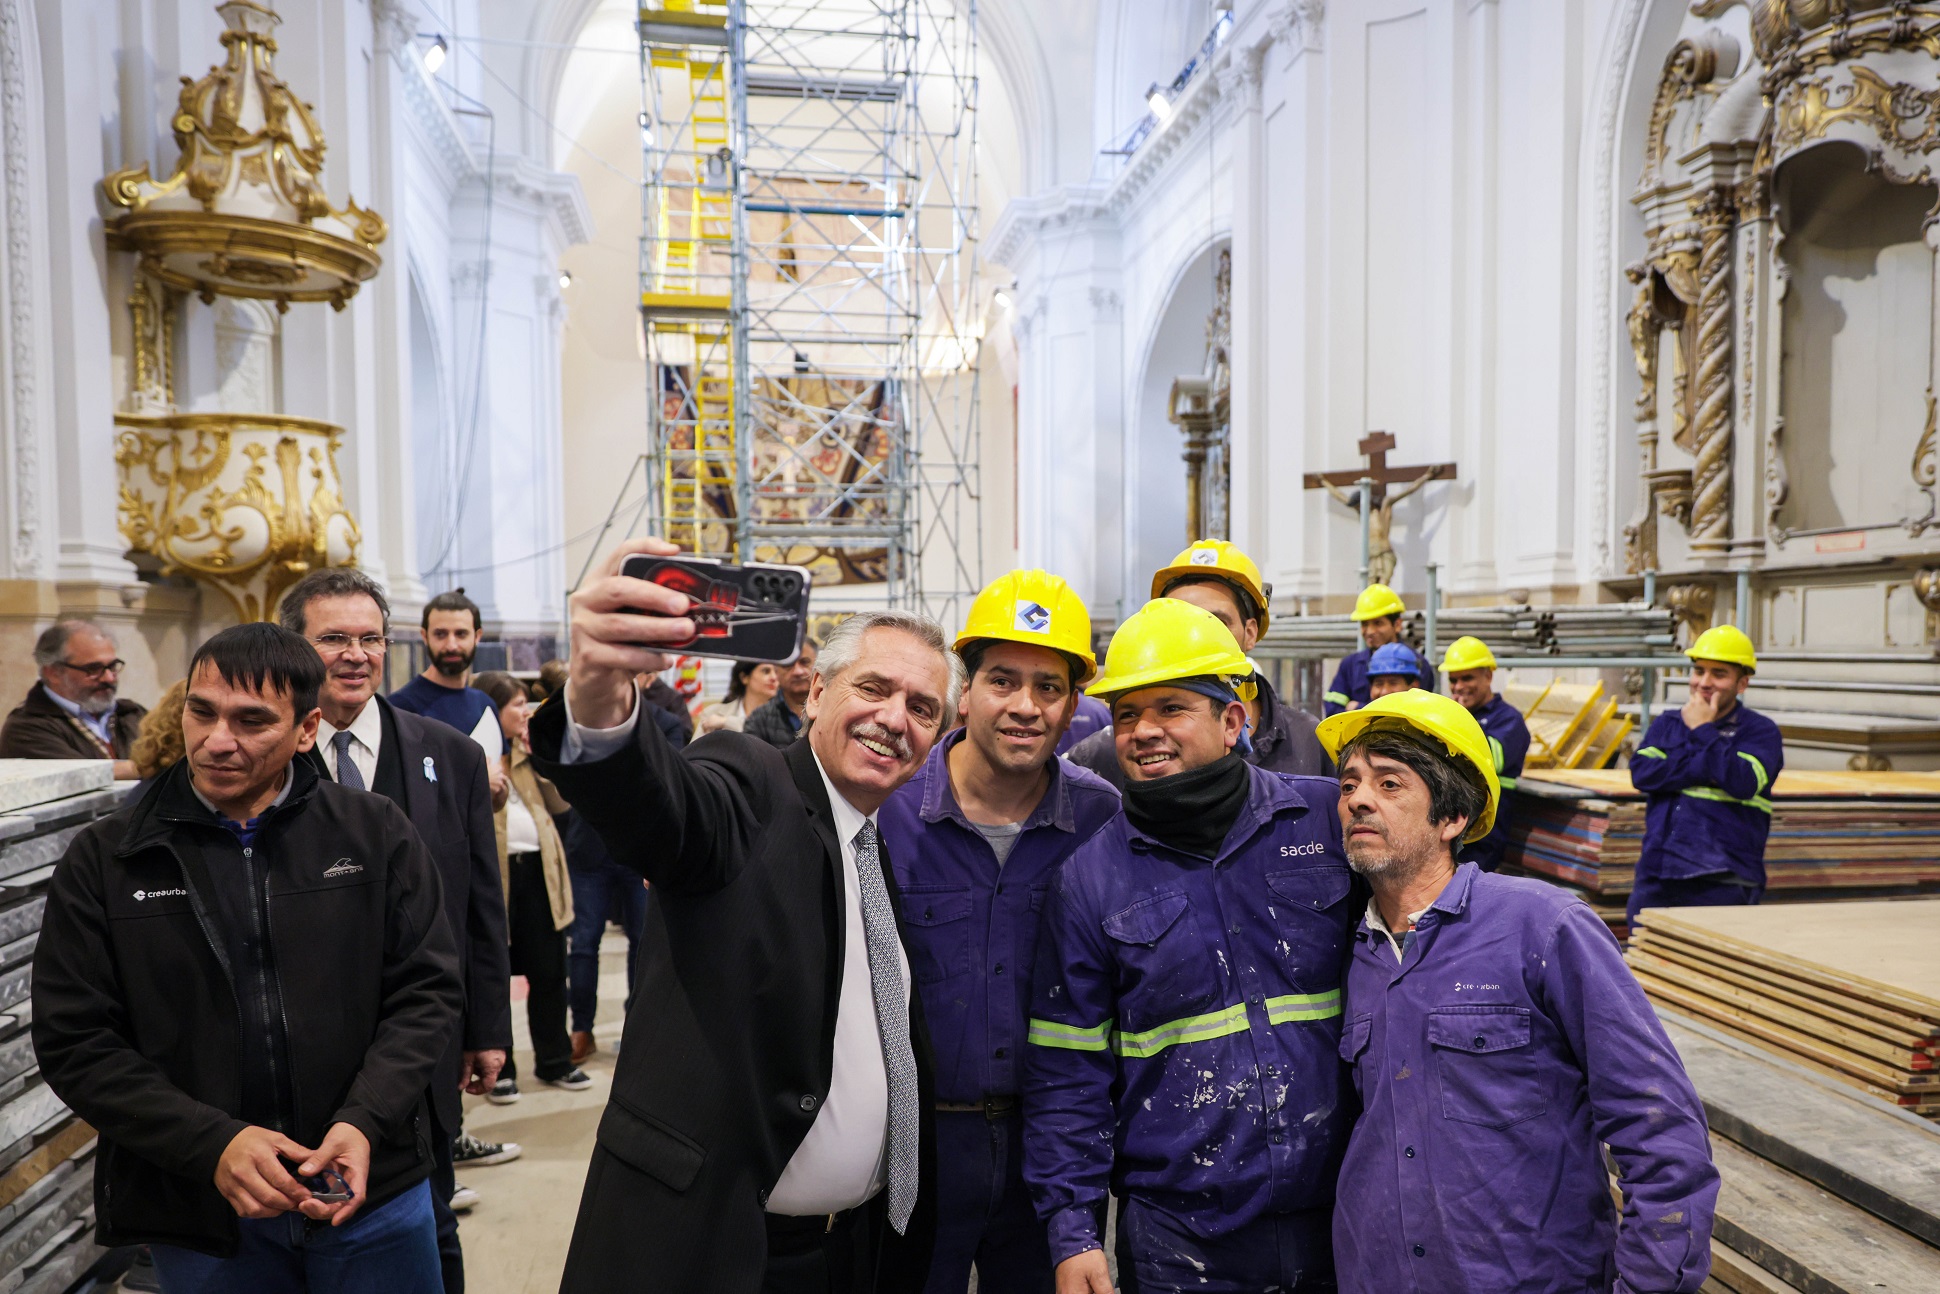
1377	508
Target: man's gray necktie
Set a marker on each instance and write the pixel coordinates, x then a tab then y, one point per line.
347	773
892	1018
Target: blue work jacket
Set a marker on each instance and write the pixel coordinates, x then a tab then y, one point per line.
1708	812
1093	716
1350	683
970	925
1492	1059
1509	743
1185	1021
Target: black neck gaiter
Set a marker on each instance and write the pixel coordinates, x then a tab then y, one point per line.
1192	811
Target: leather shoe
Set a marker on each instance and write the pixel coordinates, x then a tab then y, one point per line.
583	1046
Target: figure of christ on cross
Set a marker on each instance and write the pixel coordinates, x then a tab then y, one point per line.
1379	557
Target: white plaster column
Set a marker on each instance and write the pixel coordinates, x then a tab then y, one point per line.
1064	248
510	496
1249	429
1476	268
78	68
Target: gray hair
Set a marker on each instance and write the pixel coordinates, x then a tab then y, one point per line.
51	647
329	582
843	647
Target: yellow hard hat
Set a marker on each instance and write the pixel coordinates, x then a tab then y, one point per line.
1221	560
1033	607
1440	717
1165	640
1377	600
1467	653
1726	643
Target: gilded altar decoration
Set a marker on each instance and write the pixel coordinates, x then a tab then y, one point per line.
1709	297
248	503
244	213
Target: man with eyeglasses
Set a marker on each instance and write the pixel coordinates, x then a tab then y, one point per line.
436	774
74	712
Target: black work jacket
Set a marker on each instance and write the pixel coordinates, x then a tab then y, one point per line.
136	1022
728	1050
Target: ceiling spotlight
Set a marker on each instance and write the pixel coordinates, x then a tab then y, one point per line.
565	279
1001	299
1155	100
434	54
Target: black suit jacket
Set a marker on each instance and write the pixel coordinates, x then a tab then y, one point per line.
453	813
729	1046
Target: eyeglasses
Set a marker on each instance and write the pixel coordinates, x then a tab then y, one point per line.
94	671
338	644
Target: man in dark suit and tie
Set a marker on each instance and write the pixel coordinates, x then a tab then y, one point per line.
769	1129
437	775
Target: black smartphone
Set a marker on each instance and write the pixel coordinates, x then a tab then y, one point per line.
754	612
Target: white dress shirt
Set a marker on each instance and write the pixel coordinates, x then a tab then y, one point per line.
366	736
841	1162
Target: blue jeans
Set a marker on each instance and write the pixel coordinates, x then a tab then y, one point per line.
392	1249
607	889
983	1209
1715	891
1281	1252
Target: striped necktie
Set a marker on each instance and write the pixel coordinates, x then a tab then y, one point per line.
347	773
892	1018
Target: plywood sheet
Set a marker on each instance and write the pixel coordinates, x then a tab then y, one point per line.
1809	1237
1885	951
1784	989
1901	1050
1808	784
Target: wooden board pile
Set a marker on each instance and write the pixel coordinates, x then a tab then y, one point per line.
46	1168
1848	990
1821	1188
1830	830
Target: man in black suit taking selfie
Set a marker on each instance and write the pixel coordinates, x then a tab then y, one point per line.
769	1125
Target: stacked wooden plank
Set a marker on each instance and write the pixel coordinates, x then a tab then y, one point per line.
1850	990
1830	830
46	1168
1822	1188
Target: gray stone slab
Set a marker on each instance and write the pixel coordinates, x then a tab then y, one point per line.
25	782
29	1112
37	851
14	825
1864	1151
21	919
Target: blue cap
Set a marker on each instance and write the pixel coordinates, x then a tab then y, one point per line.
1394	658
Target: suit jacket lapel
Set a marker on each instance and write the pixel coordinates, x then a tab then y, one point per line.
420	793
815	798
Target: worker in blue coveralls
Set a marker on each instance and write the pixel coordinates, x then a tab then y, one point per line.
1378	612
1498	1042
1470	667
975	837
1706	769
1393	667
1186	1013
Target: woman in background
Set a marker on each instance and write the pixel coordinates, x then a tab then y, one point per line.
158	745
752	685
538	897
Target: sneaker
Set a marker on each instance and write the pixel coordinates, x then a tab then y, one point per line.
504	1092
573	1080
462	1199
583	1046
469	1150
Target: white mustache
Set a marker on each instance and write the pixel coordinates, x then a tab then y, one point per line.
875	732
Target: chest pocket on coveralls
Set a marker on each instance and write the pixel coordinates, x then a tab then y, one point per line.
938	921
1162	975
1353	1044
1304	903
1485	1065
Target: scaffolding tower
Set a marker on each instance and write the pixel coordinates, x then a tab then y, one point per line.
809	288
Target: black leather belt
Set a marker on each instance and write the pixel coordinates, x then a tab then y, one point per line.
991	1107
